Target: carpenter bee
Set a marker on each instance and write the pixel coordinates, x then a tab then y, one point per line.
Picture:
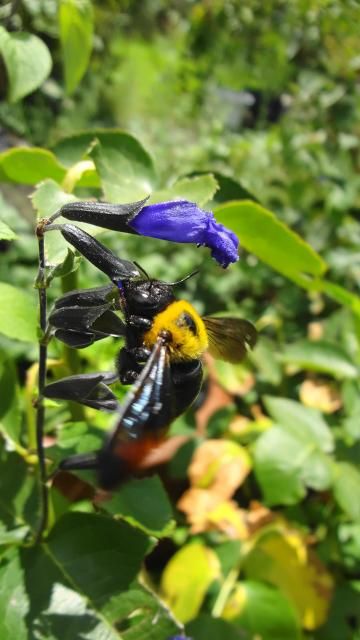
165	339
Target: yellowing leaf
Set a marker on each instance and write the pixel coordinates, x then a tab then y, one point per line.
282	557
187	578
321	395
207	511
219	465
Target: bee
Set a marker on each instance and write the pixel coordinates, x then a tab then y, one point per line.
165	339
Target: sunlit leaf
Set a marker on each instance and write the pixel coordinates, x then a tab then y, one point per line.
5	232
199	189
14	603
47	199
76	34
10	413
263	611
261	233
208	511
347	489
125	168
220	466
30	165
187	578
293	455
18	315
318	394
320	356
278	464
27	60
281	557
307	424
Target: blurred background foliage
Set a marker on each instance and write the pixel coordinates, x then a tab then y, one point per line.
258	526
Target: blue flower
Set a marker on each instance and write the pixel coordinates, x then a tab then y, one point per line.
183	221
177	221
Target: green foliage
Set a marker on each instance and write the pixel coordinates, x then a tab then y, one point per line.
76	34
21	325
165	103
27	61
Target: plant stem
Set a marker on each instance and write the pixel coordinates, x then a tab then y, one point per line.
225	592
40	410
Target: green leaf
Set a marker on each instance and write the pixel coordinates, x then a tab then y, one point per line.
76	22
278	464
18	314
320	356
14	604
125	168
204	627
6	233
263	611
292	455
14	536
187	578
78	580
230	189
280	556
344	615
143	608
27	60
30	165
341	295
132	501
317	472
261	233
347	489
72	149
47	199
99	555
19	496
10	414
199	189
305	423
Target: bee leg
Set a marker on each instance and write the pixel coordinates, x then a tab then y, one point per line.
130	363
140	323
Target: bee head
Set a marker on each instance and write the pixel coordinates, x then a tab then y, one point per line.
147	297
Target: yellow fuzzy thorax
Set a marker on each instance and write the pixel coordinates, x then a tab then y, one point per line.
184	345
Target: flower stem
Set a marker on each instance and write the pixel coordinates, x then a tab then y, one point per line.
40	409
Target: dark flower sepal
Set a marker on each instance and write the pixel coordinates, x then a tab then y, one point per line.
82	317
99	255
89	389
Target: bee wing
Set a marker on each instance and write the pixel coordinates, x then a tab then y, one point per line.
230	338
148	406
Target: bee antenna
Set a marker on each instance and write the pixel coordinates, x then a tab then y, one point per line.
193	273
142	270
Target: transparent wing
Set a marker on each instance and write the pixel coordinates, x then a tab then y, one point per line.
148	406
230	338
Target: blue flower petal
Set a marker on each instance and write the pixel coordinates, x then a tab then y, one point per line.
183	221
